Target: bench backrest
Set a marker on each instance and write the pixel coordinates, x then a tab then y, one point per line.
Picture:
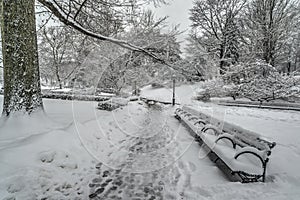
246	136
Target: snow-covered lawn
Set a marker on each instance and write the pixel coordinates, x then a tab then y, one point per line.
41	156
145	153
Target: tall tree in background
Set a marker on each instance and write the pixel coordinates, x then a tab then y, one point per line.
22	90
214	24
61	52
231	43
289	53
54	47
268	23
200	63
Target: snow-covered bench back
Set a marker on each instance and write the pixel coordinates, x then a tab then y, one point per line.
250	137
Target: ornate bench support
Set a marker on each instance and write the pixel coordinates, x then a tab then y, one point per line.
224	136
187	115
200	122
193	117
178	110
215	129
264	162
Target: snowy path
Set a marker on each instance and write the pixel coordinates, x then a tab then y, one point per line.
152	142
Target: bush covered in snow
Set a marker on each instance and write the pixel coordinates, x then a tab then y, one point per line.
257	81
272	87
112	104
215	88
203	95
157	85
261	81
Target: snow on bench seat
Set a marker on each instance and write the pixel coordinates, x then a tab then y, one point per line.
227	154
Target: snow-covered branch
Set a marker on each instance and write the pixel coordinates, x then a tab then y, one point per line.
67	20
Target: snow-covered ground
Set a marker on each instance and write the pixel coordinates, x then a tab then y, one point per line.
75	150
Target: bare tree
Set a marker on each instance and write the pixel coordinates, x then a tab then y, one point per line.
268	24
201	64
289	54
62	51
215	25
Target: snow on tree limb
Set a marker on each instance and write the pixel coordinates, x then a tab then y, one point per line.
66	19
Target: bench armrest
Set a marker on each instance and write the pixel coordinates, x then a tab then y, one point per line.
262	155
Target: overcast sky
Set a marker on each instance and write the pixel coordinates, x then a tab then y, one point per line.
178	12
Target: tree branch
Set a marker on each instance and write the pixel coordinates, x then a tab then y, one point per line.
80	8
46	22
63	17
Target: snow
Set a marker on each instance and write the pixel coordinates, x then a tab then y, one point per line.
54	154
42	158
46	87
106	94
63	90
183	93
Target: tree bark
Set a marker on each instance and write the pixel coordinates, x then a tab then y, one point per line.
22	92
222	63
59	81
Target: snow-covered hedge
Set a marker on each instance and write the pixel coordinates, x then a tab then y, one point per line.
66	96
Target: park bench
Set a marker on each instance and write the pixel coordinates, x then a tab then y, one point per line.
241	154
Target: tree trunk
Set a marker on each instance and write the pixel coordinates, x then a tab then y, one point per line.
22	92
289	68
58	76
222	63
